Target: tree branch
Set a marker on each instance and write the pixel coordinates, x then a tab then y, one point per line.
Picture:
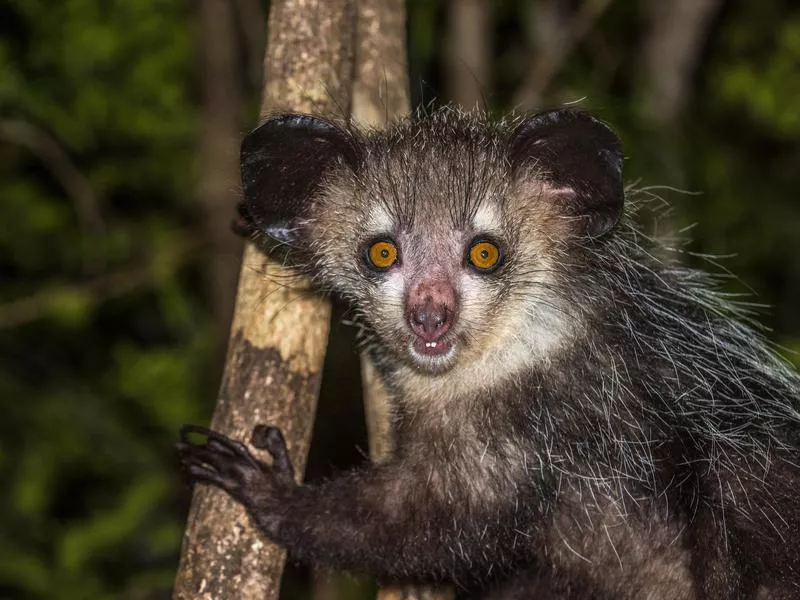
278	336
380	94
468	51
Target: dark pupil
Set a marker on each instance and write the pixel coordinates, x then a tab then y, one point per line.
384	253
484	254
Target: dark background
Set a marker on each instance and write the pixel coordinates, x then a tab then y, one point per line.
119	123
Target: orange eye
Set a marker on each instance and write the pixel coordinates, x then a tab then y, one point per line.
484	256
382	254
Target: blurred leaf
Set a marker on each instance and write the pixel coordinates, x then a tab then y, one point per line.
71	306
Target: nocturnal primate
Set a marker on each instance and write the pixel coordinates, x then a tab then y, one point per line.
575	414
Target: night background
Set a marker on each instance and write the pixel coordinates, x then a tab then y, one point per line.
119	129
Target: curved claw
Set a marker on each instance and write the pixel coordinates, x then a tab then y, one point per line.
203	454
198	473
218	442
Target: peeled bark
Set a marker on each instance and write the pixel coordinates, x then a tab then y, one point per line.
279	331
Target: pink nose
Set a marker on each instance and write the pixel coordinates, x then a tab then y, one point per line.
431	309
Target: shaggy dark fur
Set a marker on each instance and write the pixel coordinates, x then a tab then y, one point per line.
605	424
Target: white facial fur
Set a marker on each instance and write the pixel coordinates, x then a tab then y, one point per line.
497	337
487	219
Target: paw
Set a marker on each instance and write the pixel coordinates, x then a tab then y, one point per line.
229	465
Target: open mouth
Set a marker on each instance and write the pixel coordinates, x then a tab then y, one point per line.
437	348
434	357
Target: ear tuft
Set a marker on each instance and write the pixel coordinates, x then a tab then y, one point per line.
283	163
581	158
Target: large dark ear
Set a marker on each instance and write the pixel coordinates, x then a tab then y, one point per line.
284	161
580	159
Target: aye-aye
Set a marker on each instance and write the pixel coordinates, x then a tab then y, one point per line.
575	414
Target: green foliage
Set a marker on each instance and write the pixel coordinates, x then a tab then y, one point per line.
114	337
742	153
764	84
